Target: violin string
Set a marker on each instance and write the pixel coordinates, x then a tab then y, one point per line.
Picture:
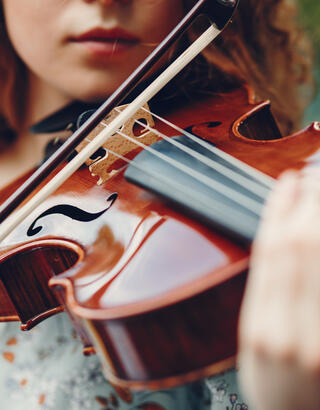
221	208
242	166
244	181
247	183
250	204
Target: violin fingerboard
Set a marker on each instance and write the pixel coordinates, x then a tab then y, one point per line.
202	202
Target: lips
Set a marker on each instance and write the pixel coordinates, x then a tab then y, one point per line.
101	34
106	43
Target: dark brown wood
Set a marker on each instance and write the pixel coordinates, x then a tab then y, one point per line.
7	309
24	272
177	340
159	293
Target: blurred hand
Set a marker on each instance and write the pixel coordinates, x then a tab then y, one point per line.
279	333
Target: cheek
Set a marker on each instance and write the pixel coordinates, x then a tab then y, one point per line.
30	28
159	17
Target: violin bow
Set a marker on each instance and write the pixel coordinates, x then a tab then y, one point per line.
220	14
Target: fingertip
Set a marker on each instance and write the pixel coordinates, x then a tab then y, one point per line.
284	194
310	360
287	180
289	174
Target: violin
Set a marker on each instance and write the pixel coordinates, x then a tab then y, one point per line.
151	264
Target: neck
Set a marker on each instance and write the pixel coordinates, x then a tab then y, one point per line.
42	100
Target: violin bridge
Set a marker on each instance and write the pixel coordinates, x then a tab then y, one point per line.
103	163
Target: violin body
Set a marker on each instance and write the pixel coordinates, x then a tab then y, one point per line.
157	292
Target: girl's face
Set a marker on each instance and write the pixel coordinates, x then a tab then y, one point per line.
84	49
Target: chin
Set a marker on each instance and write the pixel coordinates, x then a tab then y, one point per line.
94	83
93	93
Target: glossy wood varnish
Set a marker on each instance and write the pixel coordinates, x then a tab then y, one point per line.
156	291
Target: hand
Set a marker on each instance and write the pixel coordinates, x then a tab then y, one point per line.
279	333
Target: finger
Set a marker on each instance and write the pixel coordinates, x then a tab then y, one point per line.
308	310
275	278
277	210
266	324
272	385
308	203
283	195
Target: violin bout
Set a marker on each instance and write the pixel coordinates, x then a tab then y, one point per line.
155	290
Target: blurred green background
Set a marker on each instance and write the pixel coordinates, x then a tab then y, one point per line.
309	15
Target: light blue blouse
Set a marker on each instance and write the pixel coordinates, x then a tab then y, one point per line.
45	369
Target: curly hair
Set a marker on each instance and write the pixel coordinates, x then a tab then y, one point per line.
263	47
12	86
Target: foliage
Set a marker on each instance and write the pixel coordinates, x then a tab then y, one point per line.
309	14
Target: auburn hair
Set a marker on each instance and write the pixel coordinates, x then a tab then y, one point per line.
263	47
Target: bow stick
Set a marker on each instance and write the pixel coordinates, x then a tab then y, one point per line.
223	10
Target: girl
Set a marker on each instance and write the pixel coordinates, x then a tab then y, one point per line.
63	51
